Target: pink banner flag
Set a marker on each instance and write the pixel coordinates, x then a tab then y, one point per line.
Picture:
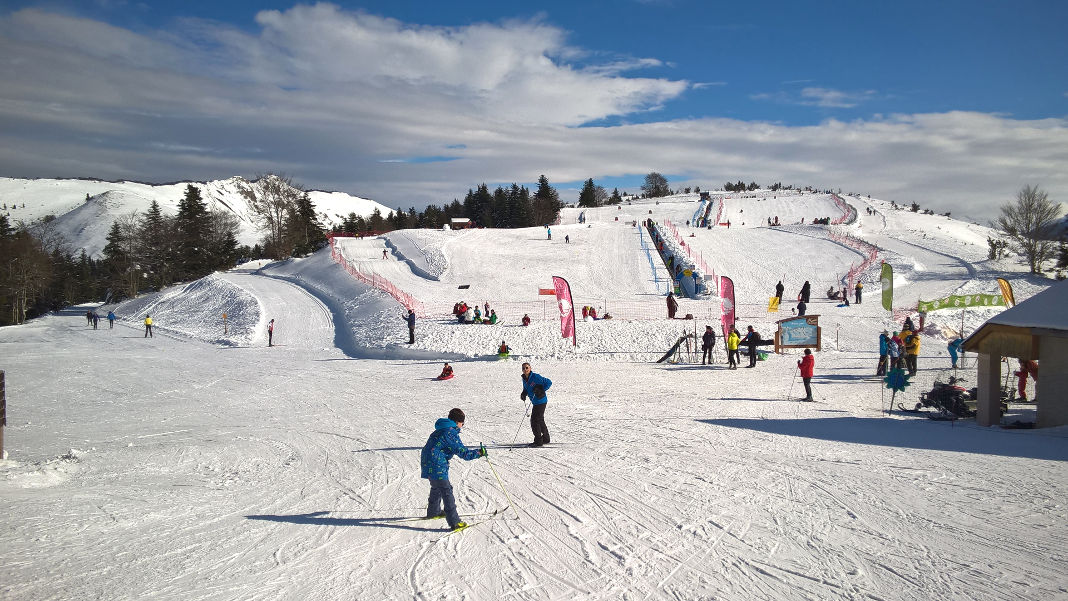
567	309
726	294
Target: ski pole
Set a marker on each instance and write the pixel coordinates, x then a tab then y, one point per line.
499	482
526	413
793	380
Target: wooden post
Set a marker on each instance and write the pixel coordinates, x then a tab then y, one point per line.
3	412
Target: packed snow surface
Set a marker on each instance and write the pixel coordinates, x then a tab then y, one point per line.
202	464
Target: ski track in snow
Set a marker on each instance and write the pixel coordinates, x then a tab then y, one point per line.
202	465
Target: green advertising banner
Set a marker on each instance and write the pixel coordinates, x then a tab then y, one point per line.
966	300
887	279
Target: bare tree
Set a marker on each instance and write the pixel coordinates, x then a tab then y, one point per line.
270	198
1030	222
655	185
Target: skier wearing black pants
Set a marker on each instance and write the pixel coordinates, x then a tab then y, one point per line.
708	342
807	365
534	386
752	339
410	318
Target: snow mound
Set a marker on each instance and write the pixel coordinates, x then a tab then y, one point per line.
196	310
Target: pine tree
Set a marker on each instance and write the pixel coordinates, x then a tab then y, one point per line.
376	223
304	227
192	225
588	195
154	247
499	213
546	203
120	272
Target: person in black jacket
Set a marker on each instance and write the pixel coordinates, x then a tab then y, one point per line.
708	342
806	291
778	291
752	338
410	318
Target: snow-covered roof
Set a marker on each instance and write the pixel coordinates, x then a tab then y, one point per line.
1043	310
1012	333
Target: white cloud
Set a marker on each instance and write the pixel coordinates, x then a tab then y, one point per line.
834	98
343	100
815	96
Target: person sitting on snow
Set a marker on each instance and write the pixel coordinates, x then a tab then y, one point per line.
492	319
503	350
526	319
446	372
469	316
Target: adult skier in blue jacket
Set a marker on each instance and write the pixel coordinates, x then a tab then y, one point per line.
534	386
434	461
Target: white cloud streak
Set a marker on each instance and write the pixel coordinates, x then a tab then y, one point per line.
342	100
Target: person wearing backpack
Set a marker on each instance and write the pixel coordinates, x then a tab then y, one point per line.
912	352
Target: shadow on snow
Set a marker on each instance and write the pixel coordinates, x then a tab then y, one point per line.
925	434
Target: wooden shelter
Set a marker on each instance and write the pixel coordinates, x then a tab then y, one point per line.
1034	329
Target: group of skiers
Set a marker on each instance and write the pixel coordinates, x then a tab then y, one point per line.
444	444
805	295
93	319
466	314
752	340
900	350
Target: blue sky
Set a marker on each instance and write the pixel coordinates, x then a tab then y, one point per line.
955	105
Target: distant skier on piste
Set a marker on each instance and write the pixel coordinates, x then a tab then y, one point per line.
534	386
442	445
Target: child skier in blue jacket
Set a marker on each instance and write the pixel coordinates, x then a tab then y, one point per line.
434	460
534	386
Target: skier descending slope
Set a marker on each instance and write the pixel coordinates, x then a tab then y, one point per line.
434	460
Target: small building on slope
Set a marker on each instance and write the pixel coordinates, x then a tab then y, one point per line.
1034	329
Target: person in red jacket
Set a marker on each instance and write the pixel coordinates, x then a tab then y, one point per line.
807	364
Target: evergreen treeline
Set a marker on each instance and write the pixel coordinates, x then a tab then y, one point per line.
147	251
509	207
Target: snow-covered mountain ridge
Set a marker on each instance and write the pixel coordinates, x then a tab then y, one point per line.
86	208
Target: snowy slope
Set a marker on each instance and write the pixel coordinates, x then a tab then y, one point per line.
85	223
202	465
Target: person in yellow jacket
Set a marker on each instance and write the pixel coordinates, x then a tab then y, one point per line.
732	348
148	326
857	292
912	351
